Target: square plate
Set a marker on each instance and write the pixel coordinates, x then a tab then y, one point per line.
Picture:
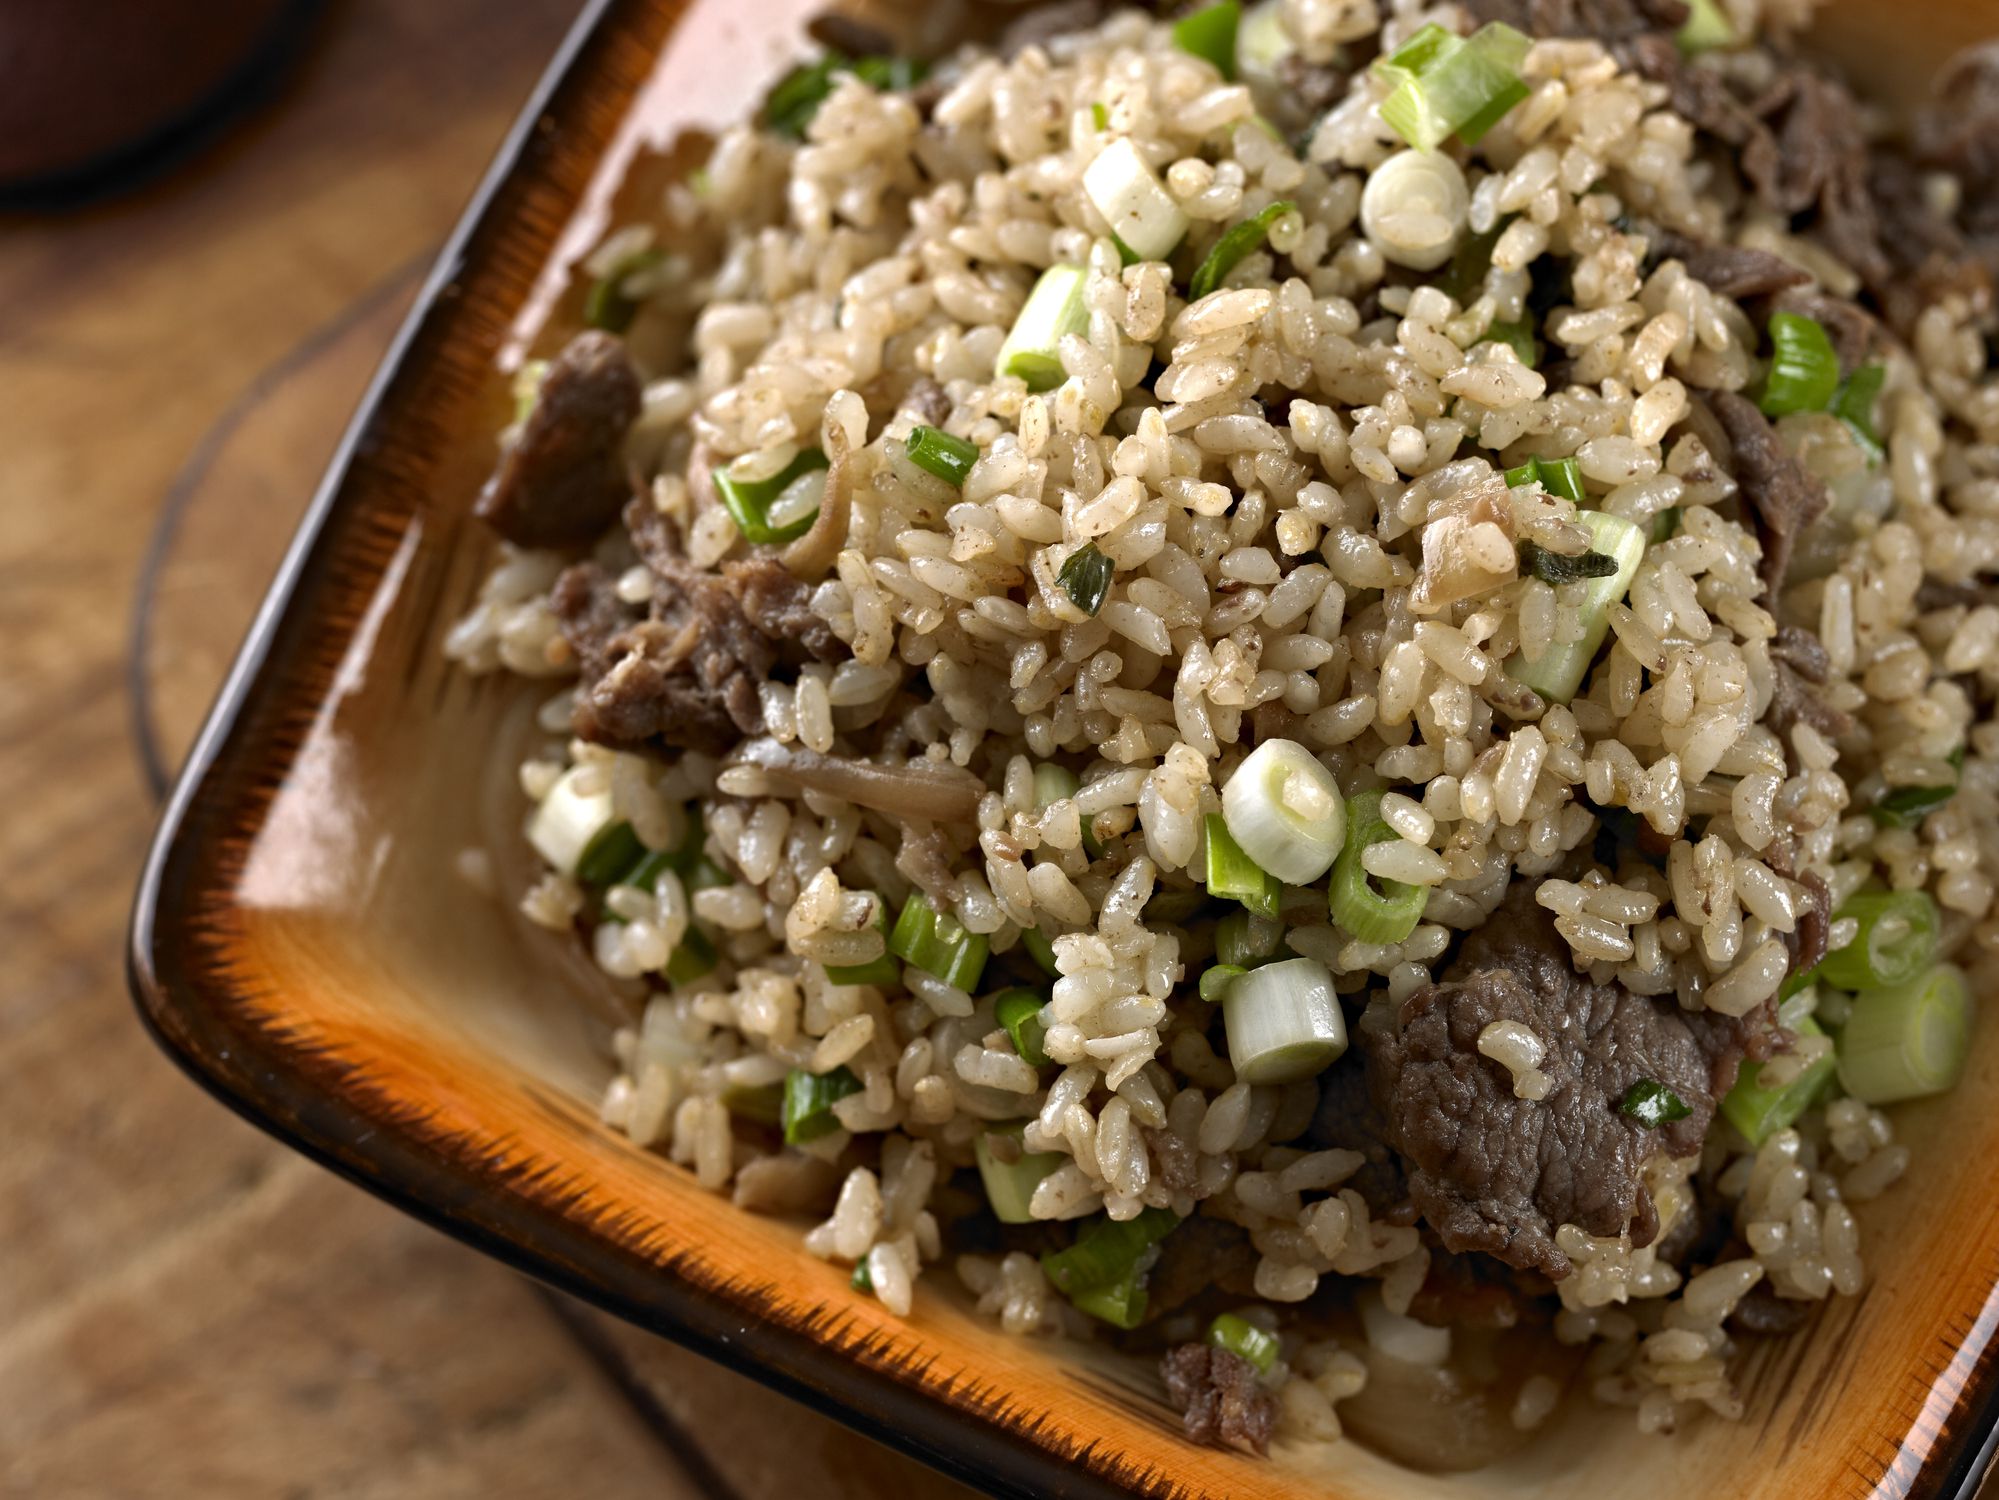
304	947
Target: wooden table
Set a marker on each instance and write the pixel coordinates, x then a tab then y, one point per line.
186	1308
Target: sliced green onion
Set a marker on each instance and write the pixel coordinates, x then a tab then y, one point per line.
1558	476
1372	911
1262	43
1907	1041
949	458
1897	941
1664	524
1804	370
1284	1022
611	858
1100	117
1041	949
1216	979
606	306
764	1105
1447	86
791	104
1284	810
1236	242
569	824
808	1102
1085	577
1559	671
527	387
1054	309
1652	1104
1517	336
1138	209
1855	404
694	957
1245	940
1906	806
1244	1340
1173	904
1211	33
1234	876
750	503
1555	568
882	971
1019	1011
1705	29
863	1280
937	944
1103	1272
1011	1175
1759	1112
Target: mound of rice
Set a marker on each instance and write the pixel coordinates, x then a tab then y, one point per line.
1307	566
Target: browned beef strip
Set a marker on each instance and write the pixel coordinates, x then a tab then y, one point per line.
1763	1311
1175	1162
1494	1173
1802	651
1793	702
1784	498
1201	1255
1732	270
1218	1396
930	402
1475	1291
564	478
781	607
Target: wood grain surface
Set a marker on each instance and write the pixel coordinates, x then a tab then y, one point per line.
185	1308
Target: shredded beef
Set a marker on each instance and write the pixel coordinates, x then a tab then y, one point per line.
1174	1161
928	400
1792	702
925	857
564	478
1219	1396
1802	651
1475	1291
1784	498
1731	270
1608	21
1202	1254
687	672
1496	1173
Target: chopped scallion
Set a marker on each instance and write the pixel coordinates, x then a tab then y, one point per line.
1517	336
1445	85
611	858
1211	33
694	957
808	1102
1010	1175
1558	476
1559	670
1215	981
1909	1040
1136	206
791	104
1855	404
1019	1012
763	1105
1234	876
881	971
1085	576
1100	117
606	306
1245	939
1906	806
1652	1104
569	823
1284	1022
1386	911
1041	950
1284	810
1244	1340
949	458
937	944
1706	28
1759	1112
863	1280
751	502
1897	941
1053	310
1103	1271
1236	242
1804	370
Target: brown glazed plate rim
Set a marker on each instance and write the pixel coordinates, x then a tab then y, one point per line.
969	1430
